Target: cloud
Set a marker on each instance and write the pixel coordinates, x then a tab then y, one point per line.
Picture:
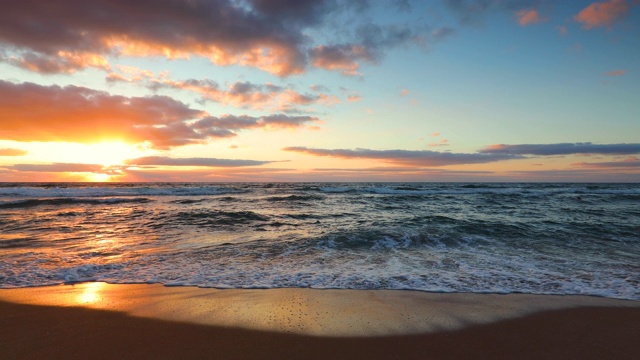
209	162
371	41
263	34
345	58
354	98
61	167
34	112
562	149
245	94
616	72
406	157
630	162
443	142
272	35
473	11
12	152
528	17
604	13
232	122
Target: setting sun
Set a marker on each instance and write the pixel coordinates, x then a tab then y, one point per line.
98	177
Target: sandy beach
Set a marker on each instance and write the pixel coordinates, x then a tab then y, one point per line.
99	320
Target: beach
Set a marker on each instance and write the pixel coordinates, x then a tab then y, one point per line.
100	320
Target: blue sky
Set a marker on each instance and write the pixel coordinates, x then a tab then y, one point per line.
283	90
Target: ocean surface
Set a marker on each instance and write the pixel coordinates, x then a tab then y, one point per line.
440	237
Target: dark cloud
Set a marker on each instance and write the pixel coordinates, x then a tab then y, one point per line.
32	112
12	152
370	43
64	36
209	162
407	157
226	31
563	149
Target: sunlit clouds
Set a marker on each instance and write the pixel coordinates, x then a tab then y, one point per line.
528	17
53	113
604	13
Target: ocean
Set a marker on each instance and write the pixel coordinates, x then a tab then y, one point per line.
537	238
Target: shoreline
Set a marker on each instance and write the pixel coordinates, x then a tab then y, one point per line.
150	321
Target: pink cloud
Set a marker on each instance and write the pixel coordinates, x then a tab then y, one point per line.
354	98
616	72
604	13
404	92
528	17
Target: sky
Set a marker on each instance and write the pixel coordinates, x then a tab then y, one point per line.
333	90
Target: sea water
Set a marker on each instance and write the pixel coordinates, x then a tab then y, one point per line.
440	237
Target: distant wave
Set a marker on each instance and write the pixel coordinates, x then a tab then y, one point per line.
51	192
68	201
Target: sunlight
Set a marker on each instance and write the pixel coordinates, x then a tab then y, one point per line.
96	177
105	153
91	293
111	153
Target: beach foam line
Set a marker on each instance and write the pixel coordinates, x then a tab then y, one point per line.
351	313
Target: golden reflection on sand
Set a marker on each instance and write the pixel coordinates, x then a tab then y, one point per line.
305	311
91	293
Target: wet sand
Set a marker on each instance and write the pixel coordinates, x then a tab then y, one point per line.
98	320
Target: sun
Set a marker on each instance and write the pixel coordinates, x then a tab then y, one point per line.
110	153
99	177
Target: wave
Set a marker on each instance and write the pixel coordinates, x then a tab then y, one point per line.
64	192
473	189
217	218
295	198
29	203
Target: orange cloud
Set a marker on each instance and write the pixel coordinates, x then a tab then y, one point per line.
602	14
12	152
32	112
528	17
